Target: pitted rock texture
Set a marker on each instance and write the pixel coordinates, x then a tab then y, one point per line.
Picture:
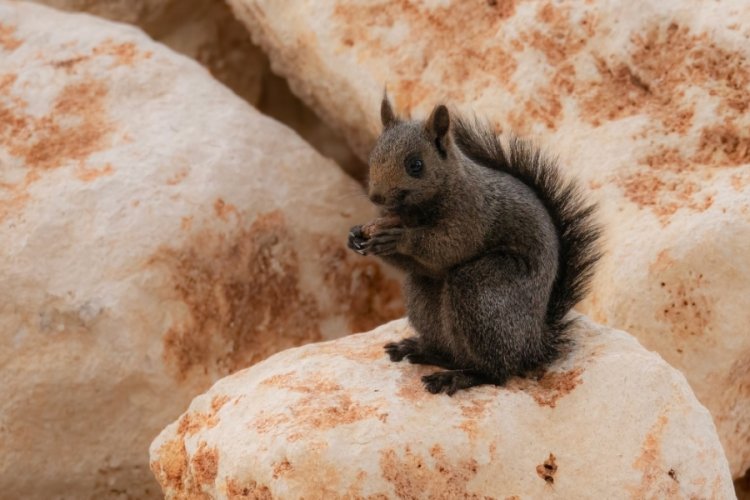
157	234
647	103
339	420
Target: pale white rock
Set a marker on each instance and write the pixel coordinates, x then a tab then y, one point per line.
206	31
339	420
647	103
157	234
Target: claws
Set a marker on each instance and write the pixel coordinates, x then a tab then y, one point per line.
357	240
382	243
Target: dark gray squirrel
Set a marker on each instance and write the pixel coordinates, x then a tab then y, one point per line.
496	246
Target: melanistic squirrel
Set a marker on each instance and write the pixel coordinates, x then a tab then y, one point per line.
496	246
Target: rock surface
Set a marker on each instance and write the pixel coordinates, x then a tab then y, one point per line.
157	234
338	420
647	103
206	31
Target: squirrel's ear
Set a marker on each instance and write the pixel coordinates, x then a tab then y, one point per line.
438	124
387	116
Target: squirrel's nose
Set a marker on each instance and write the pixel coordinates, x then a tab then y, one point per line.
378	199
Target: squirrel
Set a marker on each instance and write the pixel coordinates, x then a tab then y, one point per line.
496	247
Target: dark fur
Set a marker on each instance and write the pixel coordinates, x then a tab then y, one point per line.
573	217
497	248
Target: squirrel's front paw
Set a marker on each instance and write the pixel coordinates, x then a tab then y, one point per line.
399	350
357	240
384	242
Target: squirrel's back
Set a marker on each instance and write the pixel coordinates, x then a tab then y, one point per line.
572	217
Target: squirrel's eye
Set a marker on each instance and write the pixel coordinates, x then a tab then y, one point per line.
414	166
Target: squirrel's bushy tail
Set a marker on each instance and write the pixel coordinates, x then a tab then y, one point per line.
572	216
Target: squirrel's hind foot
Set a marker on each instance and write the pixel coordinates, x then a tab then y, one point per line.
452	381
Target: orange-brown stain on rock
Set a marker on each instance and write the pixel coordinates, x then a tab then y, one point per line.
324	404
279	469
8	40
217	402
740	180
313	384
172	464
76	127
87	174
656	480
191	423
455	41
224	209
15	196
331	412
414	476
724	144
178	176
123	53
660	185
173	469
205	464
361	290
242	295
663	195
70	63
666	59
6	83
684	306
548	469
354	490
186	223
559	38
250	490
550	388
266	422
739	377
315	474
734	400
472	411
53	143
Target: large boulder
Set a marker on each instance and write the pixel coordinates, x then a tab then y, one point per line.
207	31
157	234
647	103
339	420
204	30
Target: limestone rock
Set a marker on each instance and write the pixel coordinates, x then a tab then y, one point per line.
338	420
206	31
157	234
645	102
